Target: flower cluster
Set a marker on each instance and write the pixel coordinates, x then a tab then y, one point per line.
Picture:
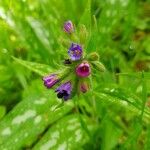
74	78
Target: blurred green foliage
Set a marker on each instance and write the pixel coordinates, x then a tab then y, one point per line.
114	115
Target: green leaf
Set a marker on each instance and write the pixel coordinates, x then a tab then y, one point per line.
147	143
144	94
110	134
136	75
40	32
66	134
40	69
30	118
119	98
86	17
131	142
2	111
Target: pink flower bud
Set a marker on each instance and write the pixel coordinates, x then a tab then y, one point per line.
68	27
84	87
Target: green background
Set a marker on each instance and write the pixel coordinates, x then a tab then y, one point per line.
115	114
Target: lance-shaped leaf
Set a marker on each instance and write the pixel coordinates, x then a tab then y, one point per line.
123	99
40	69
22	126
86	17
2	111
68	133
40	32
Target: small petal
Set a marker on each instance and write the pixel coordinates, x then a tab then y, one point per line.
83	70
68	27
50	80
75	52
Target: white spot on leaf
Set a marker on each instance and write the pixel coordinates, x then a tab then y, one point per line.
73	126
107	89
112	1
48	144
78	135
2	13
124	2
26	134
55	134
125	103
40	101
16	140
6	131
112	90
53	108
73	120
62	146
37	119
22	118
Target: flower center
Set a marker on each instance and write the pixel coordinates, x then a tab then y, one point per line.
77	52
84	69
62	94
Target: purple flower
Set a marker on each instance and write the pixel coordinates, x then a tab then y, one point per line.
50	80
83	70
75	51
68	27
64	91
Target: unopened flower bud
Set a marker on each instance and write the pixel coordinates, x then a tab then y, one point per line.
93	56
68	27
84	86
51	80
99	66
83	34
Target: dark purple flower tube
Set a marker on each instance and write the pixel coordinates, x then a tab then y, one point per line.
68	27
75	52
64	91
83	70
50	80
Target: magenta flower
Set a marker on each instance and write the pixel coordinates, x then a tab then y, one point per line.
75	52
68	27
50	80
83	70
64	91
